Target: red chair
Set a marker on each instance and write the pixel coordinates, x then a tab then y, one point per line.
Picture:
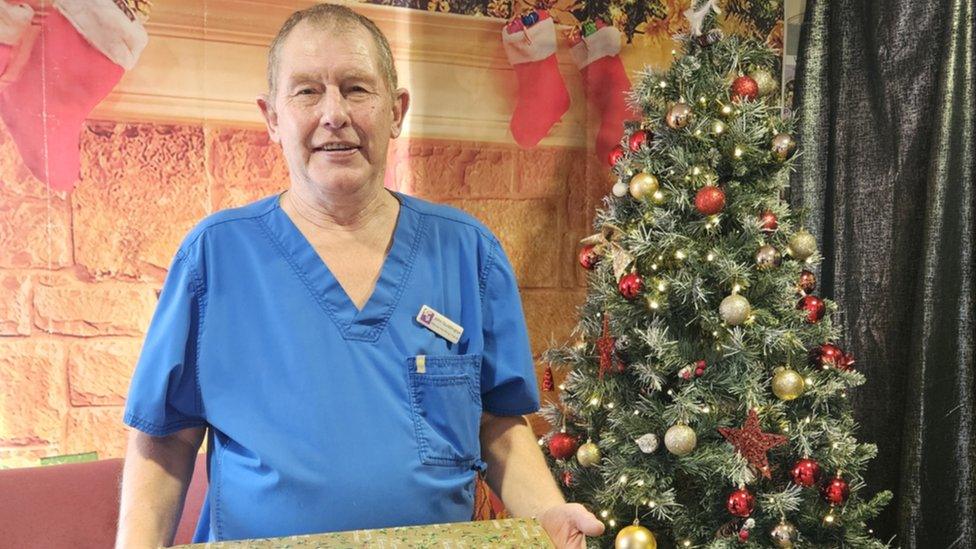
77	505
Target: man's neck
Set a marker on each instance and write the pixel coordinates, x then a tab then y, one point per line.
358	212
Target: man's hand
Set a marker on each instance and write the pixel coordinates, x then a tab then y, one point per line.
569	524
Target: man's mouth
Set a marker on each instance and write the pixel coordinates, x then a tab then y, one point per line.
336	147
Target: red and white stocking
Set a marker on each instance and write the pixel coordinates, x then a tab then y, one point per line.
530	44
605	82
82	50
15	20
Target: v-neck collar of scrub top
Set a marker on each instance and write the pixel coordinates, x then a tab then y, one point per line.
364	324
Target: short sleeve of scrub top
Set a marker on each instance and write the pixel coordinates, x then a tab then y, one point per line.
168	398
321	416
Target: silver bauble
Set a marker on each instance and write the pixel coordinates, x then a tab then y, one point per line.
782	146
783	534
679	115
648	443
620	189
768	257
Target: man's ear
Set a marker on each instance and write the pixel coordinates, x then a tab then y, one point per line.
270	116
401	102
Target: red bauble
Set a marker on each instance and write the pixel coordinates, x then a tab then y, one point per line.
808	281
831	356
741	503
562	445
806	472
836	491
743	535
814	306
616	155
638	140
630	285
700	368
744	87
588	257
768	221
709	200
567	478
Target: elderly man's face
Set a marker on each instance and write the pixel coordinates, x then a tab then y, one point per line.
333	114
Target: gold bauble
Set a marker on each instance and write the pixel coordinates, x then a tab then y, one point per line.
679	116
635	536
768	257
680	440
782	145
788	384
658	197
765	80
802	245
718	127
783	535
643	186
588	454
735	309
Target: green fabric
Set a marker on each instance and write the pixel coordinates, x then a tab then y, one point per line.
885	110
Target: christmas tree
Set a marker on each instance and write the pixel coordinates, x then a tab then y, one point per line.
705	401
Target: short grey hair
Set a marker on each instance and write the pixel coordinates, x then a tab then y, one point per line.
332	16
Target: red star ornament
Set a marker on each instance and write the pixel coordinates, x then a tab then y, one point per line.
752	443
606	344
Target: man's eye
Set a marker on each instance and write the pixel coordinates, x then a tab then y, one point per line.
305	91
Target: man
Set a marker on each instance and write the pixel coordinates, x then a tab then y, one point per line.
354	356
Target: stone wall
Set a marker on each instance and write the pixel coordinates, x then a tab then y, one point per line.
80	272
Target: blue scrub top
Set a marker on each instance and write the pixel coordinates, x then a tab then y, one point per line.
320	419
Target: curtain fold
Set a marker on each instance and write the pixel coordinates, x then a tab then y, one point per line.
885	107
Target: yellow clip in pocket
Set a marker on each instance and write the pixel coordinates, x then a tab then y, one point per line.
421	364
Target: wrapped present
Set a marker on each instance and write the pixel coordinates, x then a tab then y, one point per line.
518	533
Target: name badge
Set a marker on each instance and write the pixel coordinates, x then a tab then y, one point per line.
439	324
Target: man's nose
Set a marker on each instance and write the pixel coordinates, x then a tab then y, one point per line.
334	109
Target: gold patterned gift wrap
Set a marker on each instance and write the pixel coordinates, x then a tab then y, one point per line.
507	533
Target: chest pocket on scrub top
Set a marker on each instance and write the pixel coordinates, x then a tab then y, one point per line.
445	398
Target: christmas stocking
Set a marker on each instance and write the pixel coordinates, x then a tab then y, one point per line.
15	21
83	48
530	44
596	53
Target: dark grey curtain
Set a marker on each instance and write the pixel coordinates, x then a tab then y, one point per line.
885	105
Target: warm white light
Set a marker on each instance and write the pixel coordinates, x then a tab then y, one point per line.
661	286
696	171
612	523
736	289
562	387
710	256
594	401
542	441
715	333
680	254
738	152
604	513
623	479
652	504
610	405
662	84
653	304
706	409
640	482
